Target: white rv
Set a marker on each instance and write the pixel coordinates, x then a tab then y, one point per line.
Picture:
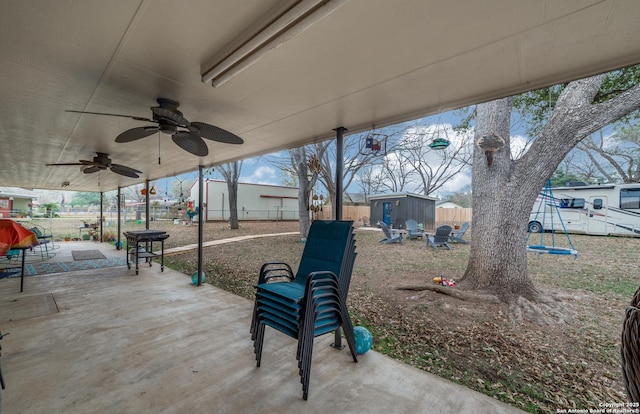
590	209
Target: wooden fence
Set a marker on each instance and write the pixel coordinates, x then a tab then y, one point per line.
453	215
360	215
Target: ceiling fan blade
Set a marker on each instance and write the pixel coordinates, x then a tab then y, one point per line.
137	133
191	142
65	163
92	169
80	162
137	118
214	133
124	170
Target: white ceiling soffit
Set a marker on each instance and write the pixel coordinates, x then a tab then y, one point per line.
351	63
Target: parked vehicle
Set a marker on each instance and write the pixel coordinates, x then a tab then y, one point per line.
590	209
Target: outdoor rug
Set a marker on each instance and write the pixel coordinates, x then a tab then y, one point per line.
87	255
60	267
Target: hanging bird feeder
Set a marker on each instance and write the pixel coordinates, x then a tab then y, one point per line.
439	144
314	164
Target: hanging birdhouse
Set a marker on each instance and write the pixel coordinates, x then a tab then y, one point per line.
439	144
490	144
143	191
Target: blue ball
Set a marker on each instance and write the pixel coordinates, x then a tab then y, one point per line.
194	278
364	340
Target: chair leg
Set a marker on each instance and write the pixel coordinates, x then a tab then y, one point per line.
258	342
254	320
306	367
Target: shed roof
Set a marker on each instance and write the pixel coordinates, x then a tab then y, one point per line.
401	195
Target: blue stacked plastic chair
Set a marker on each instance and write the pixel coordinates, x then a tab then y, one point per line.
313	302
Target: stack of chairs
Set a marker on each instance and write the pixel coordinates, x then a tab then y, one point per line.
313	302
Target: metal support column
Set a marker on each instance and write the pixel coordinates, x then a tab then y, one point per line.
338	207
147	204
119	240
200	221
101	234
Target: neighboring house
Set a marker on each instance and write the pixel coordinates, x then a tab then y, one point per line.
16	202
447	204
395	209
255	201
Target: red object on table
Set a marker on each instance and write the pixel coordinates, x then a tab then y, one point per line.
14	236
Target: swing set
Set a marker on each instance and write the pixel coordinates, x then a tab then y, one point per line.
548	200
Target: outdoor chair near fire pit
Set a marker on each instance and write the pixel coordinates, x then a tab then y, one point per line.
440	238
313	302
390	235
413	230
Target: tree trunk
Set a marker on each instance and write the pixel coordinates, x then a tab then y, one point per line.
232	188
306	182
498	257
231	174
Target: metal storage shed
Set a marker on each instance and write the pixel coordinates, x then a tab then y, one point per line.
394	209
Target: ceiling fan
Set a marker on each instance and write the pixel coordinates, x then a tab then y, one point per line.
170	121
102	162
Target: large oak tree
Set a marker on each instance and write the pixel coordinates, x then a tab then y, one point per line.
505	190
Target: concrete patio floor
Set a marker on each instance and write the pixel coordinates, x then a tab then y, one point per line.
108	341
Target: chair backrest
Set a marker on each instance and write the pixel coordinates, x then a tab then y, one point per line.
327	245
411	225
35	230
385	229
463	229
442	234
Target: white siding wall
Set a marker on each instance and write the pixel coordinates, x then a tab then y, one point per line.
255	201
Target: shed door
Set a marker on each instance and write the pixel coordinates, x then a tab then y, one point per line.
386	212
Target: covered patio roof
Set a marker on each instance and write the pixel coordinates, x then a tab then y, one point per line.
311	66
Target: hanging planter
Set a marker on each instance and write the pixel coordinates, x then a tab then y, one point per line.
439	144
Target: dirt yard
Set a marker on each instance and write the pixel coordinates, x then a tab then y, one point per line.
536	367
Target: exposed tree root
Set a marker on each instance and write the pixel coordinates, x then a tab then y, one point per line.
545	309
548	309
456	293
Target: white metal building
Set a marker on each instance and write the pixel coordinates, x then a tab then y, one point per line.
255	201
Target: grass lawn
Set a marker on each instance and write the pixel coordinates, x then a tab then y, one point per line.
571	363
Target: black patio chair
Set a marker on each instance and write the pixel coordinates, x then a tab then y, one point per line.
313	302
